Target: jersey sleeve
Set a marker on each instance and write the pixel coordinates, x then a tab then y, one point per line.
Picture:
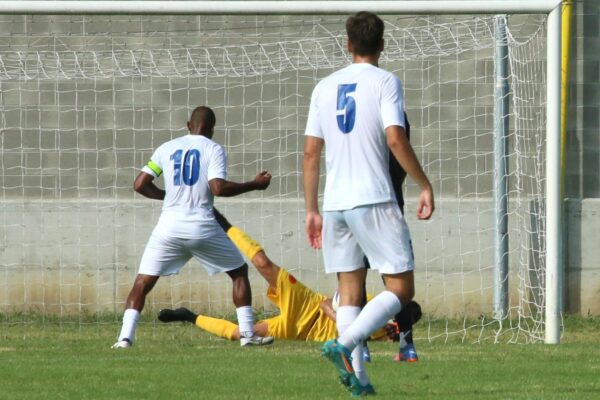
313	124
154	167
217	164
392	102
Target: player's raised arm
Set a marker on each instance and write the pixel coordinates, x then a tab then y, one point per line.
224	188
144	185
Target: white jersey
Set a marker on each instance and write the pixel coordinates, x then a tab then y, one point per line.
350	110
187	164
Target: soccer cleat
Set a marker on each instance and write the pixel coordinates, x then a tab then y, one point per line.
407	354
339	355
360	390
355	388
256	341
180	314
122	344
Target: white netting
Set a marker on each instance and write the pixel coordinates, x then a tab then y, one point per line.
85	100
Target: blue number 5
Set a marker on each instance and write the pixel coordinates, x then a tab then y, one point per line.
346	103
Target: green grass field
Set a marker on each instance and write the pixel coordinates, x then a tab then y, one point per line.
180	362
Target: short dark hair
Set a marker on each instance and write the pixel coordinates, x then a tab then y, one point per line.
365	32
204	116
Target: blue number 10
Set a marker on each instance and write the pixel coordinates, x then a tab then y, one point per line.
346	103
191	167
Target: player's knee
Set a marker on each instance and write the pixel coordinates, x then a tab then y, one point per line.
239	273
404	294
143	285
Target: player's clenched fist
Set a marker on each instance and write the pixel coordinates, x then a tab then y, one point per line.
263	180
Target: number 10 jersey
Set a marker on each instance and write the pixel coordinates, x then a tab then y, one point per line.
187	164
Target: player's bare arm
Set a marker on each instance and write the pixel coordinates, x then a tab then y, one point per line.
404	153
144	185
311	166
327	307
224	188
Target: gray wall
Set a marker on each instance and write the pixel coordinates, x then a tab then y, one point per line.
72	231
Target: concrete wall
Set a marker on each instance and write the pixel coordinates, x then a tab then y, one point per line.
69	256
72	231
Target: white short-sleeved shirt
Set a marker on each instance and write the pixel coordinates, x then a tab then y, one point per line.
350	110
187	164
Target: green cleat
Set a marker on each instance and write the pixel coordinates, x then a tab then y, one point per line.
360	390
341	359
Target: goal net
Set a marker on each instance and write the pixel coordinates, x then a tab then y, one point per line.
85	100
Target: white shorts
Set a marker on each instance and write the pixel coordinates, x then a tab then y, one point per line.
167	255
377	231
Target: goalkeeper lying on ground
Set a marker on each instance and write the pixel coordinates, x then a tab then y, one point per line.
304	313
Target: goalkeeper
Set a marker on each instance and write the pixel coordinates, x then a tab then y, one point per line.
304	314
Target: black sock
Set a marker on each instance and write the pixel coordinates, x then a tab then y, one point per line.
406	318
191	317
405	325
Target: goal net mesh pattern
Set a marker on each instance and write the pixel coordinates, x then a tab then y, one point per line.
84	101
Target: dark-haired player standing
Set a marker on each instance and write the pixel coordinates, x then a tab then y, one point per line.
357	113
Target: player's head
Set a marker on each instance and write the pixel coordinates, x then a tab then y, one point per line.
365	34
202	122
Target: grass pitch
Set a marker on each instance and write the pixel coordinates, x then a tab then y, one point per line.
56	361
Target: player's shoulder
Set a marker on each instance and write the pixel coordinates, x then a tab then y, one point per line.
384	76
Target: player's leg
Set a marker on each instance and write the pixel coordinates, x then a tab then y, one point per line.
388	250
354	284
366	354
242	299
218	327
218	254
133	307
405	320
251	249
343	256
379	310
162	256
385	249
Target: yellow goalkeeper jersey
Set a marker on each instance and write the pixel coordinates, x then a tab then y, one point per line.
301	318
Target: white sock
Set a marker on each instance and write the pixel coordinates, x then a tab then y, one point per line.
372	317
345	316
358	364
245	321
130	320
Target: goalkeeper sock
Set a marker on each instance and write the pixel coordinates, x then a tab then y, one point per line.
248	246
246	321
130	320
372	317
216	326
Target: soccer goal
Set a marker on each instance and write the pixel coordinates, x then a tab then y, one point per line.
89	89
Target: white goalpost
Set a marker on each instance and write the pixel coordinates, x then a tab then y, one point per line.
88	89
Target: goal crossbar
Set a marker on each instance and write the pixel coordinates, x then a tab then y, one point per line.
276	7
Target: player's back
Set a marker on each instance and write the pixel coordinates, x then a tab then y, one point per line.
188	163
350	110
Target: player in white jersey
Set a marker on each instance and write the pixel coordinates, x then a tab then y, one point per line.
358	113
194	171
